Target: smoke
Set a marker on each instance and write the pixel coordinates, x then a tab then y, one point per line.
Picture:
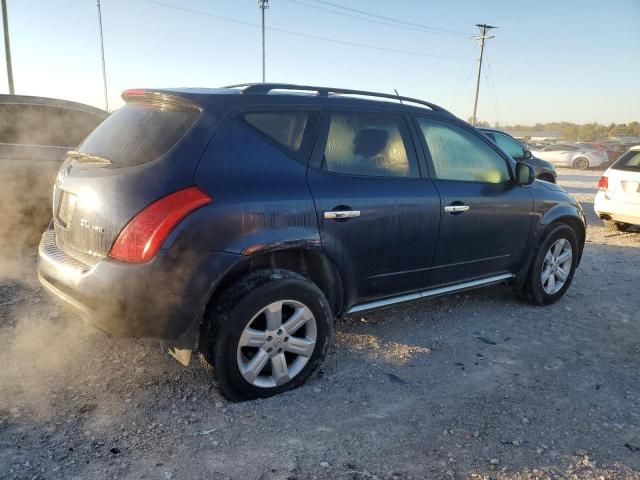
38	346
40	350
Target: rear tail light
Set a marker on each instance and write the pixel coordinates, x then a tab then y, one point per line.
603	183
143	236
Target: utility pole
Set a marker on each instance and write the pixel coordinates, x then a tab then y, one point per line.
484	29
263	5
7	48
104	68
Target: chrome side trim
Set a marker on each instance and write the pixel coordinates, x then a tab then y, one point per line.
431	293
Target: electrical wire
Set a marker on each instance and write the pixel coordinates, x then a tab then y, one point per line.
492	90
304	35
396	20
423	29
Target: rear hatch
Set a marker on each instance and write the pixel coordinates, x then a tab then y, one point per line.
624	178
142	152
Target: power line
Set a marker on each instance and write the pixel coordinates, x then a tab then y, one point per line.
483	37
456	84
396	20
492	90
380	22
304	35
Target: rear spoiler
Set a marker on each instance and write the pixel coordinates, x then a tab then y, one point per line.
159	99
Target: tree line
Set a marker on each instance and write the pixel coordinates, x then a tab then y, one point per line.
588	132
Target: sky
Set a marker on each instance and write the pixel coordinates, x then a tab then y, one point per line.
550	60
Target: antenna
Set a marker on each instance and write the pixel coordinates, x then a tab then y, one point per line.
398	95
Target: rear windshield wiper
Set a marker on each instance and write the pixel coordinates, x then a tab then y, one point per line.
87	158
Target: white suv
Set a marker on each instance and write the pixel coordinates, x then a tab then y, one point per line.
573	155
618	198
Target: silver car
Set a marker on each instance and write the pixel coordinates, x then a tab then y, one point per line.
573	155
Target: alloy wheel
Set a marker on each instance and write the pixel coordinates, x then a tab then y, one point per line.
557	266
277	343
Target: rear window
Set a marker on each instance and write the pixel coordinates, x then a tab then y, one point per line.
45	125
628	161
138	133
285	128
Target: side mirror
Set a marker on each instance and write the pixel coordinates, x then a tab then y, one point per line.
525	174
527	155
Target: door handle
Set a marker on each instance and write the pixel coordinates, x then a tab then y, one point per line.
337	214
456	208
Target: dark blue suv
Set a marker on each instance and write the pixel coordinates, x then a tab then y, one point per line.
240	222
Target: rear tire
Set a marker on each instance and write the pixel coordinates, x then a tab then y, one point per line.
252	357
617	226
550	260
581	163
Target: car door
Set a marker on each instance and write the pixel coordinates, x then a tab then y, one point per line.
557	154
486	218
378	216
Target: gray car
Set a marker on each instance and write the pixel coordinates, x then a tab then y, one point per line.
35	135
544	170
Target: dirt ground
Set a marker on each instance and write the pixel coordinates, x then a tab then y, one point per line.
477	385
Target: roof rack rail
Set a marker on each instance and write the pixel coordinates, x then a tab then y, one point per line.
326	91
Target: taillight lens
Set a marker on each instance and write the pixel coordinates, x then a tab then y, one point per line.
143	236
603	183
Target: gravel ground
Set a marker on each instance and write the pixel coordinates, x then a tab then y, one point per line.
477	385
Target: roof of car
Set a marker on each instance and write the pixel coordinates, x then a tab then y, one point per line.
51	102
310	92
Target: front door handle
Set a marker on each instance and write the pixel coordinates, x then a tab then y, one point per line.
338	214
456	208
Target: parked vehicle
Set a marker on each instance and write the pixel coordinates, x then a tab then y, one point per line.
247	218
573	155
618	198
615	149
543	169
35	135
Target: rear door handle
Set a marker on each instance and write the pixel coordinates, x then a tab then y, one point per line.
456	208
337	214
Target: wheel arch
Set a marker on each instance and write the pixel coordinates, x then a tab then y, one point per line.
562	214
309	263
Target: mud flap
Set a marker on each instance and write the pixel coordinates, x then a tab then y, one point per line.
182	349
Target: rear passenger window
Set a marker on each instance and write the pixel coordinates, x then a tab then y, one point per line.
285	128
370	144
459	155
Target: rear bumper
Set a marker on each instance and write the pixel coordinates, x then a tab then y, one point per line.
616	211
162	298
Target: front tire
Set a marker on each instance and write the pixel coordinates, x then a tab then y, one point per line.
266	334
553	266
581	163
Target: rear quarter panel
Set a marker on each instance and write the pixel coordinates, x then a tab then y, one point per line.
261	200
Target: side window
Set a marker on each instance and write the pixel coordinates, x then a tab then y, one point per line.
459	155
285	128
571	148
370	144
509	145
45	125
